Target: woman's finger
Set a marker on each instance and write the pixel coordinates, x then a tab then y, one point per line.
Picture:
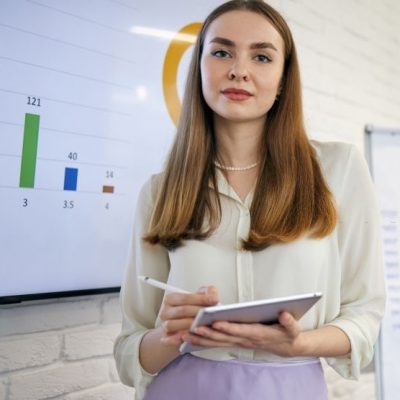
220	337
203	341
210	297
217	340
253	331
178	312
290	324
174	325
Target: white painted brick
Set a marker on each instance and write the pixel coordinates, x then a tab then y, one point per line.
111	310
345	389
366	389
326	8
115	391
305	37
308	58
90	343
277	4
355	18
327	11
334	38
350	390
28	352
48	316
58	380
114	377
298	13
3	390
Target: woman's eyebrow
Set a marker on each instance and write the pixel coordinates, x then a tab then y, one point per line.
230	43
263	45
223	41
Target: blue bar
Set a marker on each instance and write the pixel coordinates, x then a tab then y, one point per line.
70	178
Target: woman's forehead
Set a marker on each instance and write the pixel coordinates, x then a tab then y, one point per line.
245	27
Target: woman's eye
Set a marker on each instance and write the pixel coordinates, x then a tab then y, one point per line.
263	58
220	53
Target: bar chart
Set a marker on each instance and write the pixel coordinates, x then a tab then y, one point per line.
77	142
72	187
29	159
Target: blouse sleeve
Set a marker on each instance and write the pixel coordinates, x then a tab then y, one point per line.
140	303
362	282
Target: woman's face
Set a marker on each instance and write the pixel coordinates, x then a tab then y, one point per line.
241	66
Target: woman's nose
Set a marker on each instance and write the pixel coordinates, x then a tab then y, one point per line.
238	71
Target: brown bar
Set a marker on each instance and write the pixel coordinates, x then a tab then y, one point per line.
108	189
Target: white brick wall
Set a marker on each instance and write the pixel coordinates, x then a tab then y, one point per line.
349	52
60	349
3	389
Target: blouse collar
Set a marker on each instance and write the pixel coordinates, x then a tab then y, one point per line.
226	189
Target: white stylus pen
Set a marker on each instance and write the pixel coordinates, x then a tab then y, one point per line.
161	285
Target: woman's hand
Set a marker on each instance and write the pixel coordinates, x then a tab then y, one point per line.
284	339
178	311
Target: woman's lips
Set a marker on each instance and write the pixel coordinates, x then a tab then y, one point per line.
236	94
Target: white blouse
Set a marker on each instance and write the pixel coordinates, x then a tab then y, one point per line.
345	266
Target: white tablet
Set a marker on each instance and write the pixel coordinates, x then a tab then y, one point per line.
259	311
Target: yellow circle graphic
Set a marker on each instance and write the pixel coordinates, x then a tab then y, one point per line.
182	40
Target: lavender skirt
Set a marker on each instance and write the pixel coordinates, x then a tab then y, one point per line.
194	378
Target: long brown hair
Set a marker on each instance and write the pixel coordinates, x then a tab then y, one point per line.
291	198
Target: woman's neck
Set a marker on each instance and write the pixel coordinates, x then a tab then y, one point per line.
238	144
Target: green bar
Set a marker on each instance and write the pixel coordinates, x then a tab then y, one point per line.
29	151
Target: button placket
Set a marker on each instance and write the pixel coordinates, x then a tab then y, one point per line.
244	269
244	258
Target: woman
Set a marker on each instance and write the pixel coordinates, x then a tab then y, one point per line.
248	208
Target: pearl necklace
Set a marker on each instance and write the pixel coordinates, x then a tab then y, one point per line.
226	168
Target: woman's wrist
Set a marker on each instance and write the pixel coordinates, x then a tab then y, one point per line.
154	355
302	346
327	341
